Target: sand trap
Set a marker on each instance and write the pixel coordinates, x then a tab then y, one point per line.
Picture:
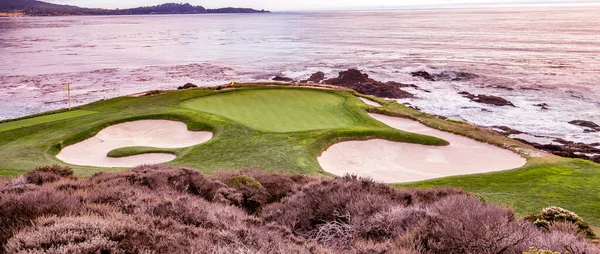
369	102
150	133
403	162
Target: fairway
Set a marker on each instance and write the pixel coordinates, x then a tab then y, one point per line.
278	110
43	119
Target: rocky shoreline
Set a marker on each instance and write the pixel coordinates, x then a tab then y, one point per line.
362	83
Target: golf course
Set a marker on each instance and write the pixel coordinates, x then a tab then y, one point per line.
289	129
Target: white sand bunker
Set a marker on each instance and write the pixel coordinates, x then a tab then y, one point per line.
369	102
149	133
397	162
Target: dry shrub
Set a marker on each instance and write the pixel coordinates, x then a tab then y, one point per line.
339	212
171	210
561	242
64	171
48	174
17	210
265	188
463	224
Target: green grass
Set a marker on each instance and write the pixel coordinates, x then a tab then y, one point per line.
284	129
136	150
234	145
6	126
278	110
569	183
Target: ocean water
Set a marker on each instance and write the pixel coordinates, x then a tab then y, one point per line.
525	55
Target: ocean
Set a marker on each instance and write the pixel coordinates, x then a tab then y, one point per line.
528	56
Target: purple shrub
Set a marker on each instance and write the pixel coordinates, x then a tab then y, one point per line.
462	224
17	210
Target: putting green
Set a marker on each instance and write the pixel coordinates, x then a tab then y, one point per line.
43	119
278	110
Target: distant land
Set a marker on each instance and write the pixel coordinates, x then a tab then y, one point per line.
13	8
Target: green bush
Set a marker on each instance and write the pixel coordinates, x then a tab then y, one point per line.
536	251
552	214
243	180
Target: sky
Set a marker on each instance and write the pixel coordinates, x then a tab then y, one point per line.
306	5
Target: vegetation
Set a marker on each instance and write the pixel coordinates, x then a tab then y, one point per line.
39	8
172	210
545	181
569	183
278	110
233	146
550	216
6	126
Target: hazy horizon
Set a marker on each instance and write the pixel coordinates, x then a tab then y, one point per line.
314	5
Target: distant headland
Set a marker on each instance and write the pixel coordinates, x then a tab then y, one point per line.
12	8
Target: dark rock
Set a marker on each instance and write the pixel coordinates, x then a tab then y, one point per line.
503	87
316	77
453	76
587	124
569	149
543	106
423	74
487	99
506	131
360	82
283	79
187	86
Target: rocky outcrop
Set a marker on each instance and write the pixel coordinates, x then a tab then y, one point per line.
558	146
423	74
187	86
570	150
316	77
283	79
543	106
444	75
360	82
487	99
592	127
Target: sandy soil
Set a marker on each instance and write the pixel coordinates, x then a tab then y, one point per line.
403	162
369	102
150	133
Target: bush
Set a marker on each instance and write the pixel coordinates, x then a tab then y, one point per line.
243	181
17	210
64	171
553	214
462	224
536	251
173	210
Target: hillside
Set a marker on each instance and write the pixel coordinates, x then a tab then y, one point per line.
39	8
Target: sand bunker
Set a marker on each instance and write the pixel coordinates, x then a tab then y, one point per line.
149	133
403	162
369	102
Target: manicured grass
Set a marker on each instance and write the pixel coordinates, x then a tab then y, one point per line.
233	146
569	183
136	150
278	110
6	126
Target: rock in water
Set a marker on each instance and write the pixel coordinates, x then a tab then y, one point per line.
283	79
587	124
487	99
316	77
360	82
423	74
187	86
